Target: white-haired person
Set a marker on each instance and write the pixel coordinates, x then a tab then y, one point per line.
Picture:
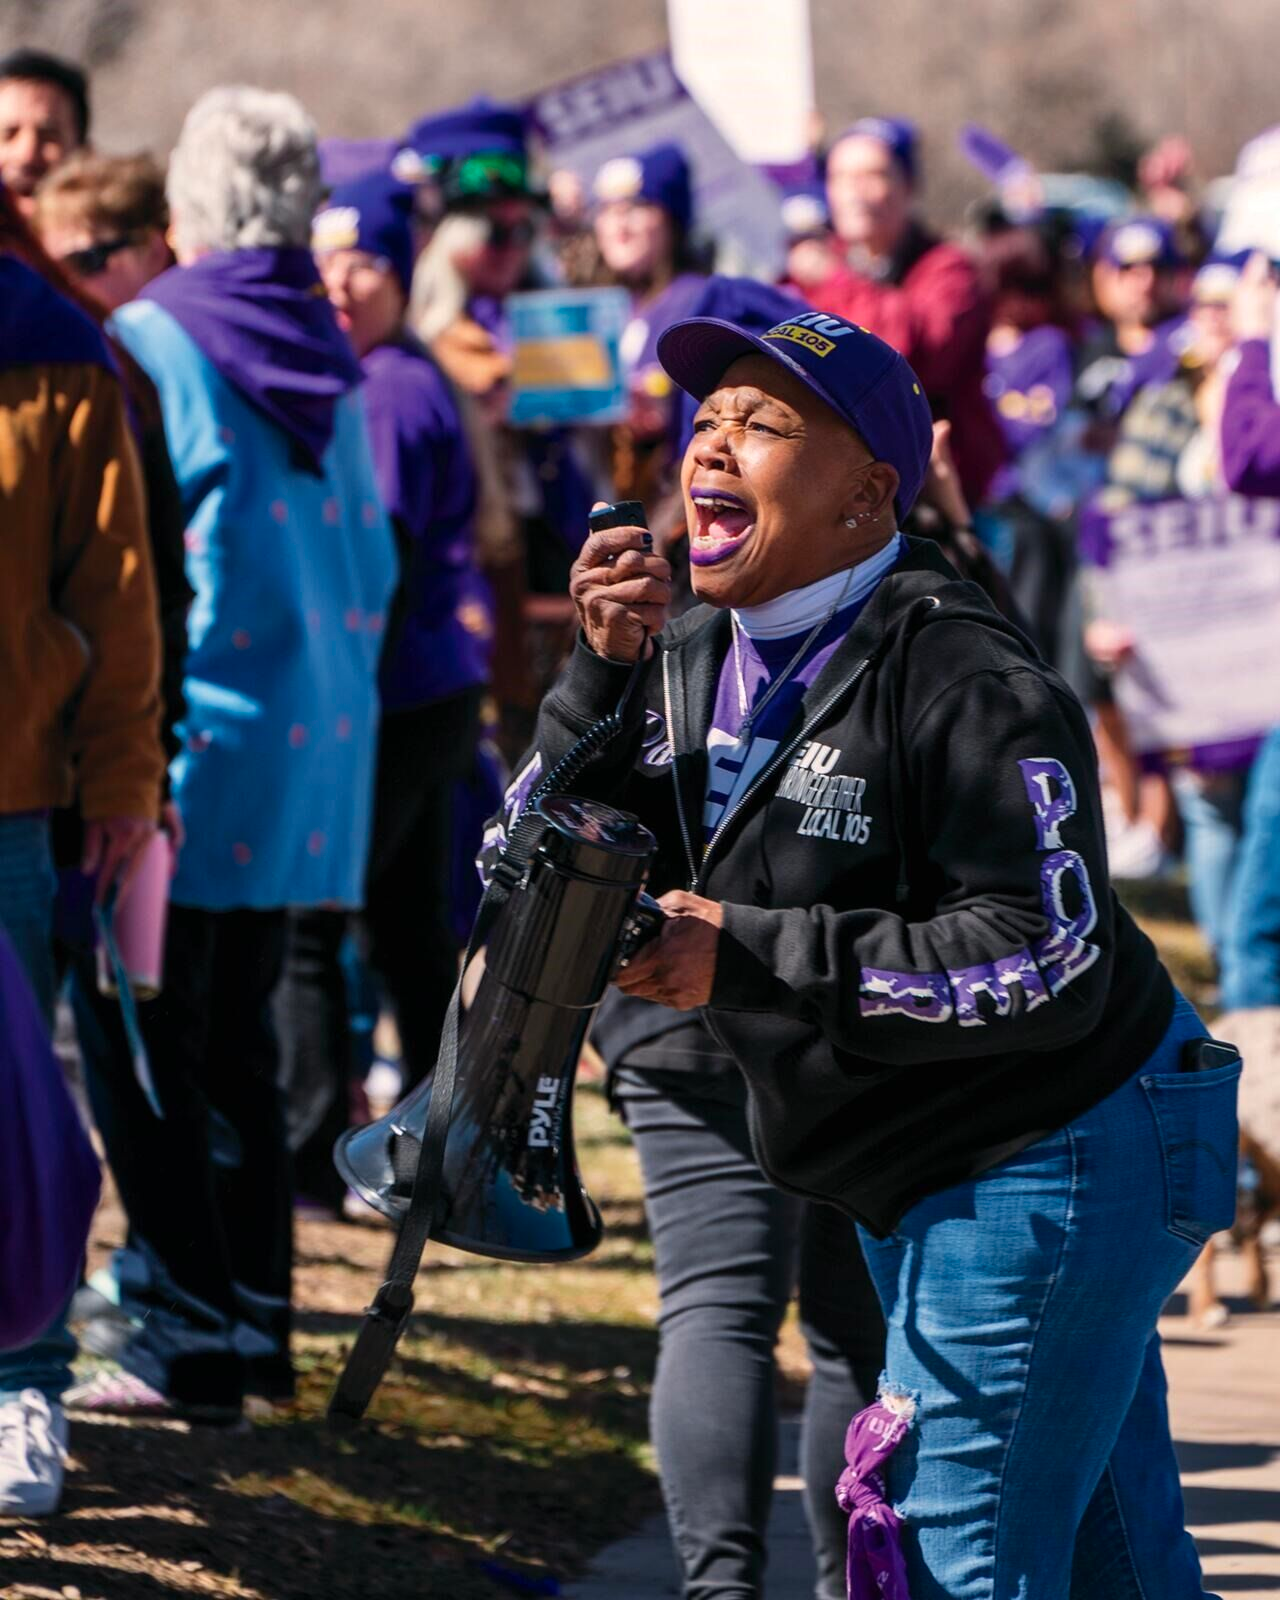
292	563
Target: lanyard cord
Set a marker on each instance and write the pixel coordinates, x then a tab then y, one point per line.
752	715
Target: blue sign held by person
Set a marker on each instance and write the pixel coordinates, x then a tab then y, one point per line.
568	366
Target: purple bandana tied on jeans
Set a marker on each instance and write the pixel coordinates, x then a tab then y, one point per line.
876	1569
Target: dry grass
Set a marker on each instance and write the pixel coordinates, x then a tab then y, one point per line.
511	1429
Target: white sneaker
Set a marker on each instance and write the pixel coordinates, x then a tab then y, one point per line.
33	1455
383	1086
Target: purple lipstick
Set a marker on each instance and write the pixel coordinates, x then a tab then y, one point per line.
724	523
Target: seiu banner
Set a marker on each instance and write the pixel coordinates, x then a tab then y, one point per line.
626	108
1196	586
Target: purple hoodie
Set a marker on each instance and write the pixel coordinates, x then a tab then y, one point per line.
443	625
1251	424
262	318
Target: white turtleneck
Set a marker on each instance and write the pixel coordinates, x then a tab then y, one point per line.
803	608
734	761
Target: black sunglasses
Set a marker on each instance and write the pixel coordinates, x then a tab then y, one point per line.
502	234
88	263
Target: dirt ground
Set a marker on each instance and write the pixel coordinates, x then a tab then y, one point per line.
507	1445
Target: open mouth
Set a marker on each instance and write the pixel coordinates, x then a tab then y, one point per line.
724	523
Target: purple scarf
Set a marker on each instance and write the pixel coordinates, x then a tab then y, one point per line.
263	319
876	1570
37	325
48	1171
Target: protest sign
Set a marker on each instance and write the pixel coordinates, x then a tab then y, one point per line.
1196	583
1251	220
624	109
765	60
344	160
567	362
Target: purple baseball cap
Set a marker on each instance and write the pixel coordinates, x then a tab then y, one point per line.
902	139
863	379
1139	242
659	175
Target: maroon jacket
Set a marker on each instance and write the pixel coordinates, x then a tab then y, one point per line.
932	308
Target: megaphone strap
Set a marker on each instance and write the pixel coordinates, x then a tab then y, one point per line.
386	1316
389	1310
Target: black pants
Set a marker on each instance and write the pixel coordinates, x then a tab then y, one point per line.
422	755
730	1252
315	1049
408	935
207	1189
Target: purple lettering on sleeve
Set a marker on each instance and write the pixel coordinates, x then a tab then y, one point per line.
521	787
1052	795
922	996
1064	953
655	743
1013	983
499	829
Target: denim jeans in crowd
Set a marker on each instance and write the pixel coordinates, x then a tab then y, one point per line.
730	1251
1021	1310
1211	805
1251	954
27	886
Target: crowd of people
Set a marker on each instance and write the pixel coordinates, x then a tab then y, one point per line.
286	588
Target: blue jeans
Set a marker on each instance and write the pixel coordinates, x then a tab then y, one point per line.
1211	806
1021	1308
730	1250
1251	953
27	885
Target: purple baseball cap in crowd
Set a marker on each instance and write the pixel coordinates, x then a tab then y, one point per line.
860	377
1218	278
805	212
902	138
660	176
1139	242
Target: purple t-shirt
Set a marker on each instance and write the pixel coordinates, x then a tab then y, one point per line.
427	483
733	765
1030	387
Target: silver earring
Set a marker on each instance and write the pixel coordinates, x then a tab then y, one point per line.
852	522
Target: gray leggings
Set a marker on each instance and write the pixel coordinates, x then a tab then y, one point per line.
730	1252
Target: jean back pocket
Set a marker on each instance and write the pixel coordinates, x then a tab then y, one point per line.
1195	1115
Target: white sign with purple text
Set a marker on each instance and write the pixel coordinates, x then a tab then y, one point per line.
624	109
1196	584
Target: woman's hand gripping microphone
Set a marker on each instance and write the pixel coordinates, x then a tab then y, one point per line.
678	967
621	589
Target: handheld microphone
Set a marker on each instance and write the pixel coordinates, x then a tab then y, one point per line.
622	514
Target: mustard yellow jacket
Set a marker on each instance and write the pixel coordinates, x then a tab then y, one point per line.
79	638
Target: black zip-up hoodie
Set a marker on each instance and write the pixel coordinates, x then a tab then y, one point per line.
922	966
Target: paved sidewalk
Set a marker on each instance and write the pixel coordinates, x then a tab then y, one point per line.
1225	1402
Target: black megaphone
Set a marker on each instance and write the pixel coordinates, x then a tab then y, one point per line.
510	1185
